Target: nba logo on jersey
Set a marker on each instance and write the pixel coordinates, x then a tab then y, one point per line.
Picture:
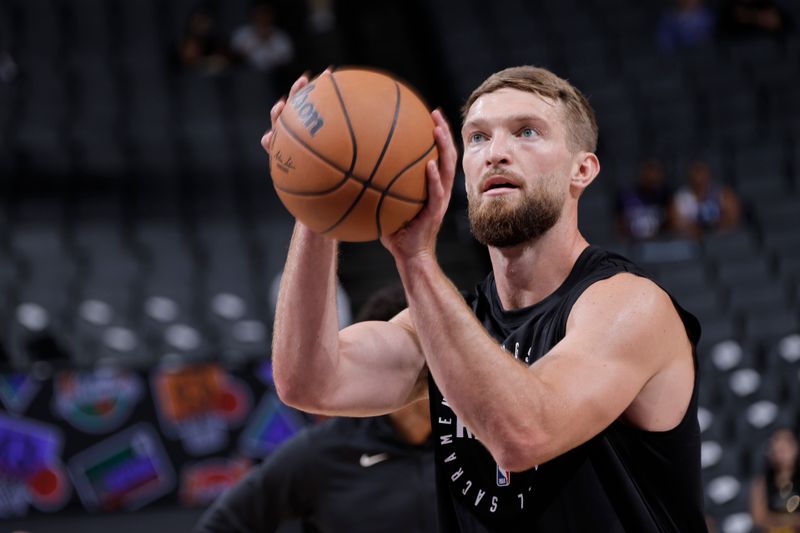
503	477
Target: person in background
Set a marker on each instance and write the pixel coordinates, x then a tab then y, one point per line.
753	18
8	67
370	475
642	208
200	48
261	43
703	205
689	24
775	494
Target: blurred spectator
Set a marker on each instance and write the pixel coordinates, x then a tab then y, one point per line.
344	474
261	43
688	24
642	208
703	205
321	17
8	67
200	48
753	18
323	42
775	494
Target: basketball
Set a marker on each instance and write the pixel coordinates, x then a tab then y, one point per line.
348	154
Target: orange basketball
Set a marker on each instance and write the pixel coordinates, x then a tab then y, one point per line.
348	154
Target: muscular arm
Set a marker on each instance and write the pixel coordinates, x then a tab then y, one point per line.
526	416
368	368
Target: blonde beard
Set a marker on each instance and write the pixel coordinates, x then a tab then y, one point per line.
502	222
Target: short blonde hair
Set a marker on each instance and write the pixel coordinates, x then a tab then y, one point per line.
581	122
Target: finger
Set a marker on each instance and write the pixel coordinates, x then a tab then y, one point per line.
276	110
299	83
453	152
446	147
434	180
448	155
274	113
441	120
435	189
266	140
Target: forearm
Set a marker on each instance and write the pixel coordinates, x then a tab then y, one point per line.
305	338
491	393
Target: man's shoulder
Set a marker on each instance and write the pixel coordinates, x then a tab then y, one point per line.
627	285
631	305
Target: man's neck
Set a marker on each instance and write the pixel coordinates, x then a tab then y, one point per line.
528	273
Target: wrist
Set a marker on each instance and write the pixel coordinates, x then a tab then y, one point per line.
421	258
306	235
417	266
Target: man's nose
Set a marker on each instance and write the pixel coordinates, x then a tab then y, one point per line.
498	152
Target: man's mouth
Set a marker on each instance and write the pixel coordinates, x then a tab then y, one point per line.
498	185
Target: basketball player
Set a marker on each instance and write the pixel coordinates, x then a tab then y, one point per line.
563	391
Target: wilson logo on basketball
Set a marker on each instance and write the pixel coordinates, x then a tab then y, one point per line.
307	111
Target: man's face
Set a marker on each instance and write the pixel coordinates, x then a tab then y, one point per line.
700	177
516	164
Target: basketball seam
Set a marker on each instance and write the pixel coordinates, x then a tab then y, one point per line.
349	124
391	182
333	165
327	191
386	143
397	197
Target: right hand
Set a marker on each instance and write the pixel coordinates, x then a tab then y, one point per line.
418	237
276	110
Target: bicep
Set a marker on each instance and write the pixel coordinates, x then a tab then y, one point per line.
381	368
611	349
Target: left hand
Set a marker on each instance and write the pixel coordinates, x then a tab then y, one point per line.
418	237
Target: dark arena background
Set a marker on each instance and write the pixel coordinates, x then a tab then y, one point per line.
141	239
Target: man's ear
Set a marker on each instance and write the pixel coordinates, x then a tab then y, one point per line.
585	170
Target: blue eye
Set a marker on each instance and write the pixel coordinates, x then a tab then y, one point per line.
476	137
528	132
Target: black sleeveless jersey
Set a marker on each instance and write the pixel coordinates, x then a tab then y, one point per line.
624	479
